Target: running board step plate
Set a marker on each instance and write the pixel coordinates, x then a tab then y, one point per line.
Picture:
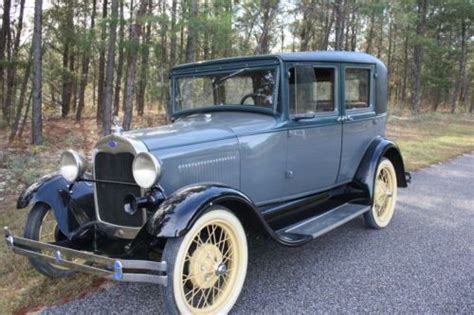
323	223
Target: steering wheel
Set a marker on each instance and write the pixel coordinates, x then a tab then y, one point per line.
253	96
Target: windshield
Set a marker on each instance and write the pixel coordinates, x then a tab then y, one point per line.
248	87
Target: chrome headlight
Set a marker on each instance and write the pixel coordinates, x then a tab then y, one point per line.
72	165
146	169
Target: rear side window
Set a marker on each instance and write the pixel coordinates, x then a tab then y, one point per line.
311	90
357	88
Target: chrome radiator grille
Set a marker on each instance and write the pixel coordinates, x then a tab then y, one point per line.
116	169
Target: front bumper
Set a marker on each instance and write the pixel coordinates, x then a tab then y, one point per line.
106	267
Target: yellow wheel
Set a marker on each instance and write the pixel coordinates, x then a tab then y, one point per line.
42	226
207	266
385	196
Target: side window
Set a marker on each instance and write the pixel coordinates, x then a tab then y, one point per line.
357	88
311	90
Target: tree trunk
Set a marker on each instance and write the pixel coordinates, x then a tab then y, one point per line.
370	35
436	100
471	108
181	35
109	75
37	124
269	8
25	115
100	81
118	80
11	73
405	68
418	56
131	66
306	26
192	33
164	59
4	38
21	101
65	82
142	81
327	30
339	25
68	61
85	65
173	34
347	38
127	50
462	69
354	23
380	35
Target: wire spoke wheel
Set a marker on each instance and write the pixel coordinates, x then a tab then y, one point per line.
208	272
385	194
49	233
41	225
210	265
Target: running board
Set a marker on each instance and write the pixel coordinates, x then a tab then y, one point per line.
318	225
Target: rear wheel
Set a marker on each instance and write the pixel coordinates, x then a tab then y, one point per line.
207	266
41	226
385	196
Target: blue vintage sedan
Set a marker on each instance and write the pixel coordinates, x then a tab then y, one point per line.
288	145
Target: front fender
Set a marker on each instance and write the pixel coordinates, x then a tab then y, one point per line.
379	148
69	204
178	212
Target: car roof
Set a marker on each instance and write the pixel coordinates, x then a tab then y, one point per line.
323	56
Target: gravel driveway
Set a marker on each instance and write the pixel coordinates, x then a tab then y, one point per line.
423	262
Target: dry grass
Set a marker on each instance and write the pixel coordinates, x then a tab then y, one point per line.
432	138
427	139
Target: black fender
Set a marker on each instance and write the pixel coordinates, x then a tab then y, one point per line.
379	148
70	203
179	211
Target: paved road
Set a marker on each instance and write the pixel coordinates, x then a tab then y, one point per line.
422	263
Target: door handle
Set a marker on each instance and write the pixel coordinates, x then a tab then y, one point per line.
344	118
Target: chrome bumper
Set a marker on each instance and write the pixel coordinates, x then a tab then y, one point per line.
102	266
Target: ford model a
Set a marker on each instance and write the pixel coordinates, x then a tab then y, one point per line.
290	145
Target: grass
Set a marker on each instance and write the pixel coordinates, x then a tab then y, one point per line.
432	138
424	140
23	289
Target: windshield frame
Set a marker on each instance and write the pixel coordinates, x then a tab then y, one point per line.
174	90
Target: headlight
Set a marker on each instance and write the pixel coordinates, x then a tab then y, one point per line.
72	165
146	169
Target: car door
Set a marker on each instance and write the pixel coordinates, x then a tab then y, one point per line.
314	133
359	116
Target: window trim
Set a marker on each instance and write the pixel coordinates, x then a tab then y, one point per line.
371	107
318	115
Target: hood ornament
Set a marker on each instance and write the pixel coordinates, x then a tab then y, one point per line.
117	127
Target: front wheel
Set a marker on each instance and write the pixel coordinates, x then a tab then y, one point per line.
41	226
207	266
385	196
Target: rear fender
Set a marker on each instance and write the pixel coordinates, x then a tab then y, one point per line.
72	204
378	149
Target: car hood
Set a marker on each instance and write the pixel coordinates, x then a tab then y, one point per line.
202	128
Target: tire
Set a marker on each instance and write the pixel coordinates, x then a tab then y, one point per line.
385	196
207	266
33	230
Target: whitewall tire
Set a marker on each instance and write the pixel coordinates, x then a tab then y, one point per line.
385	196
207	266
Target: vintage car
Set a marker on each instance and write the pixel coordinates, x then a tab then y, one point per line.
288	145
